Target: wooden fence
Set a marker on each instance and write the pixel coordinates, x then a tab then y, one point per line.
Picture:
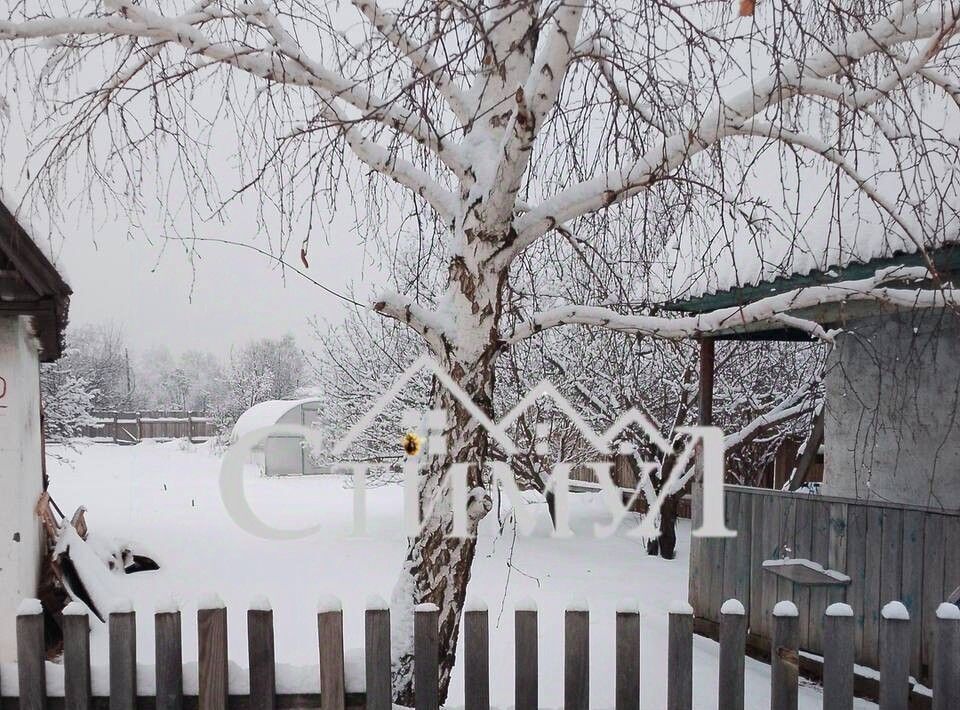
213	688
888	551
133	427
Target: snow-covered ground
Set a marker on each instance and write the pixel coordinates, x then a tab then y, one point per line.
164	499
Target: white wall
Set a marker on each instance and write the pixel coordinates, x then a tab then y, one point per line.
21	478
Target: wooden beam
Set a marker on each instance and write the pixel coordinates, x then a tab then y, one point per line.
707	362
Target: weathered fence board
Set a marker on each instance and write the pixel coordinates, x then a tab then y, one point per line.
212	651
476	638
628	660
261	654
576	659
888	551
680	659
526	663
377	657
76	661
123	660
169	660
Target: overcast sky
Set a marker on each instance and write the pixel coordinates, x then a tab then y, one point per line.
222	297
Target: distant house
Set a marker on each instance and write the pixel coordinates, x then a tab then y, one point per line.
281	454
888	514
34	299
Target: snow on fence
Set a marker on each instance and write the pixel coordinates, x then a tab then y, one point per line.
887	551
133	427
215	684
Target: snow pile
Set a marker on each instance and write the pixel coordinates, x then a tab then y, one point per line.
734	607
680	607
785	609
30	607
948	611
895	611
328	604
839	609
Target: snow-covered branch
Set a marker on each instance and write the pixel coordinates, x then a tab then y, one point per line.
732	116
420	319
419	56
283	60
772	308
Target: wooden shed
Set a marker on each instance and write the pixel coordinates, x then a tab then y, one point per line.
34	300
888	516
282	454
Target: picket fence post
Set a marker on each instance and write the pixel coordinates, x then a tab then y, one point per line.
426	656
838	656
212	653
784	657
122	623
733	642
680	657
894	657
526	657
377	641
168	631
76	657
628	657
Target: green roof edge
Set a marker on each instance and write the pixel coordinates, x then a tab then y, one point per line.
946	258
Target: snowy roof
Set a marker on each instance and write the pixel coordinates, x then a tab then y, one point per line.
740	292
266	414
785	222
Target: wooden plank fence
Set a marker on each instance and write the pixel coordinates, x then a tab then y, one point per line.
213	691
133	427
889	552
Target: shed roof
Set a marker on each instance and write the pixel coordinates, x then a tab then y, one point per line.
266	414
31	285
945	258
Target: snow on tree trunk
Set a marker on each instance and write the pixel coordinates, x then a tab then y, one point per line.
437	565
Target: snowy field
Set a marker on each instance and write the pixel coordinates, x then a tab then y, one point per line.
164	500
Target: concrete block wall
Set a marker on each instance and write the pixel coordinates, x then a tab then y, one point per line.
892	424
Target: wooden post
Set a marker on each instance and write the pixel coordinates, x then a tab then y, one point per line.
628	657
733	642
122	624
31	656
894	657
426	656
704	418
576	659
526	657
680	657
379	691
784	657
476	649
330	634
261	655
838	657
168	644
946	658
212	647
76	657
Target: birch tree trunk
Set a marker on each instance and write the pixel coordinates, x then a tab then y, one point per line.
437	565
